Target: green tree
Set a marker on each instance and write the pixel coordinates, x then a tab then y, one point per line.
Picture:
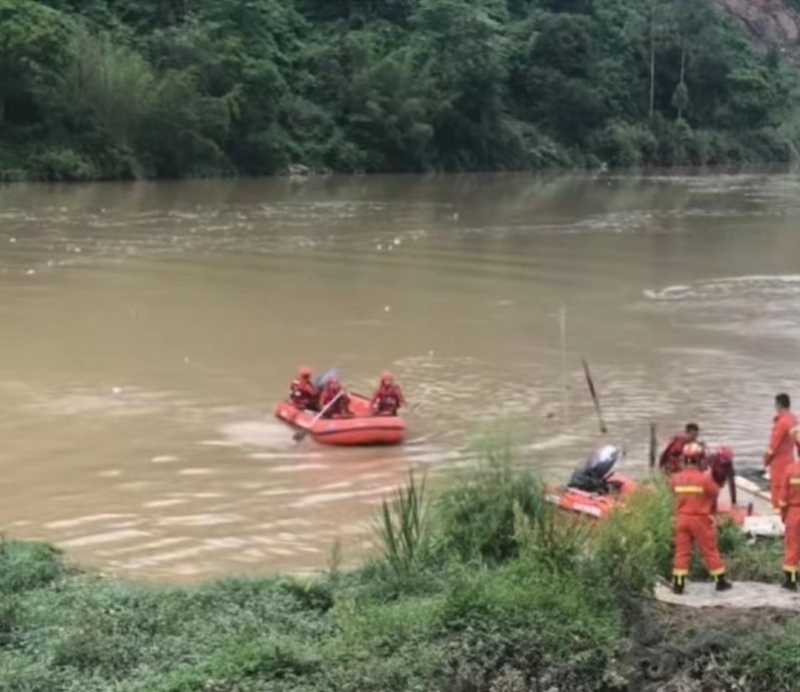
32	46
111	88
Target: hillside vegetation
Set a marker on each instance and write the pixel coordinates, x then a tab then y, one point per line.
484	588
170	88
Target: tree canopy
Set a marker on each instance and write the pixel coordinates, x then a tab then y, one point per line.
170	88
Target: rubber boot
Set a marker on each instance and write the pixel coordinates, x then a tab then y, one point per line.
722	583
678	584
790	580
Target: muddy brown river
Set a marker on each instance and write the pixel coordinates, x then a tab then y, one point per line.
148	331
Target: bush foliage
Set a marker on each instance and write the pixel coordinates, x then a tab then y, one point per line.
168	88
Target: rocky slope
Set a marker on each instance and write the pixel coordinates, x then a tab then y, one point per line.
768	23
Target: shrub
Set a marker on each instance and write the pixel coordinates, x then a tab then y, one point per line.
635	544
475	519
769	663
26	566
543	623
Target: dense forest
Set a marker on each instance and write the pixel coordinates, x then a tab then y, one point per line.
169	88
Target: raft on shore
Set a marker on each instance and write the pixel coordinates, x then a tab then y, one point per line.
363	429
754	516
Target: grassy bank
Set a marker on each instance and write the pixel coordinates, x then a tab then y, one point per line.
482	588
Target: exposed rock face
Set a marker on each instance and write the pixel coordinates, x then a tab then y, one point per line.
768	23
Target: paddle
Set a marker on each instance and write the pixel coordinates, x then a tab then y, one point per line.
603	428
300	435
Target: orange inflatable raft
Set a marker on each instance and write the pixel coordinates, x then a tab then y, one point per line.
600	505
362	430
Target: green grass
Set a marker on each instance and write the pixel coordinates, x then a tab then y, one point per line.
401	527
484	587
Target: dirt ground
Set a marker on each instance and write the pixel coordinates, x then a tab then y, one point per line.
680	648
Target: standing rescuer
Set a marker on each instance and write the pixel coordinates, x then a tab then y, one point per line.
790	513
781	447
695	505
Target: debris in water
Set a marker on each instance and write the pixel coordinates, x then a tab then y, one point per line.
379	247
12	240
397	241
186	360
163	459
30	271
386	308
115	390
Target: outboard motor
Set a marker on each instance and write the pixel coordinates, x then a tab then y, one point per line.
604	460
593	474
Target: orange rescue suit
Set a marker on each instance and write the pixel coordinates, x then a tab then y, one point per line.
387	399
780	453
671	460
695	505
303	393
340	408
790	511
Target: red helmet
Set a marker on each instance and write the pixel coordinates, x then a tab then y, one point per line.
693	451
725	454
305	372
387	377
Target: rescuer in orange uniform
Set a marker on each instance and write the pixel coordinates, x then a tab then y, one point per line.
388	398
671	460
695	505
338	398
303	393
790	513
781	447
719	463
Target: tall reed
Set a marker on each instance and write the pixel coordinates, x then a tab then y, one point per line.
401	525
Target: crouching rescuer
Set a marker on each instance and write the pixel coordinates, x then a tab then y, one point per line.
695	506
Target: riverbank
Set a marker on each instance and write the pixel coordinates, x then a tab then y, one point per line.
483	587
137	90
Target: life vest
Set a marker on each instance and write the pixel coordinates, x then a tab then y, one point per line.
303	393
388	398
671	460
341	405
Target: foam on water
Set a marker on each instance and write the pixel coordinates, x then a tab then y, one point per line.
786	285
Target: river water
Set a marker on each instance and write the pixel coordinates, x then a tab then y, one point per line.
148	331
